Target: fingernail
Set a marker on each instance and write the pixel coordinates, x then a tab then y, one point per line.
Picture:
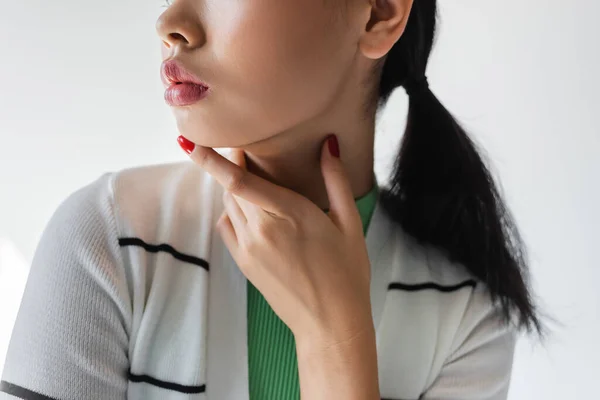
186	145
334	147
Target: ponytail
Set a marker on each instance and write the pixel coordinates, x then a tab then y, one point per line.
441	192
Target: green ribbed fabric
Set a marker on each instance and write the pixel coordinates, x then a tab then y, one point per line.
272	362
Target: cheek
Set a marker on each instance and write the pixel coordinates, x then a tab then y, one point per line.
286	59
277	63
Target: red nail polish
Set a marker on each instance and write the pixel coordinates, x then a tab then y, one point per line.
186	145
334	147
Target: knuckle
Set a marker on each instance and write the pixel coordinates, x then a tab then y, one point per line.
263	229
248	247
202	157
295	224
222	221
236	182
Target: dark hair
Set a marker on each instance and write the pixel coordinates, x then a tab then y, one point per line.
441	192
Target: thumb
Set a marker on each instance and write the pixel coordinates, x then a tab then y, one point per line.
342	206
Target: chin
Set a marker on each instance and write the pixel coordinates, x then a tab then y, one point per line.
219	132
202	133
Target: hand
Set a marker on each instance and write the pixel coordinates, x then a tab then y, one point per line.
311	267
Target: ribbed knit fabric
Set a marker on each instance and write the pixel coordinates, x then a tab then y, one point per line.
272	360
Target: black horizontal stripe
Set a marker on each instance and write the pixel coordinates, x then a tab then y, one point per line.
167	385
21	392
430	285
389	398
167	248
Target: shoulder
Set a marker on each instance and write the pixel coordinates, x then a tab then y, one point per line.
423	262
156	181
150	186
136	200
437	314
457	302
426	268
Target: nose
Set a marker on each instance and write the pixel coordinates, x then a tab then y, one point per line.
179	25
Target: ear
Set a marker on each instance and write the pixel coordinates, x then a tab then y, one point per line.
387	21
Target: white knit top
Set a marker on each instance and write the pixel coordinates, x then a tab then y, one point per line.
133	295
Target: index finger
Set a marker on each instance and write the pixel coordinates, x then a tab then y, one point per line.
241	182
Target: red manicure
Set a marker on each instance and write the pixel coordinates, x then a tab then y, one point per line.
334	147
186	145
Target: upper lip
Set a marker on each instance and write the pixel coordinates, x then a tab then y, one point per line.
172	71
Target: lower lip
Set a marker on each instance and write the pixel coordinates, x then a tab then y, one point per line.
184	94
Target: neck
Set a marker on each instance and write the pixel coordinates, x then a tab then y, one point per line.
292	158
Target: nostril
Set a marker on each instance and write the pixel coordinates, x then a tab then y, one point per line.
178	37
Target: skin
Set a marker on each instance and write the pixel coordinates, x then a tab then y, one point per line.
283	76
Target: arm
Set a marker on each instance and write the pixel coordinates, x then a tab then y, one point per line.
70	339
478	368
343	370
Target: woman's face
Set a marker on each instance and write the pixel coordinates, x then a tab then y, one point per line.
271	65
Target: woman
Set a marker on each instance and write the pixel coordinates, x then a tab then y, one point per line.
286	271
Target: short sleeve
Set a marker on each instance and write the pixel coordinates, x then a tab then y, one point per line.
70	339
480	366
